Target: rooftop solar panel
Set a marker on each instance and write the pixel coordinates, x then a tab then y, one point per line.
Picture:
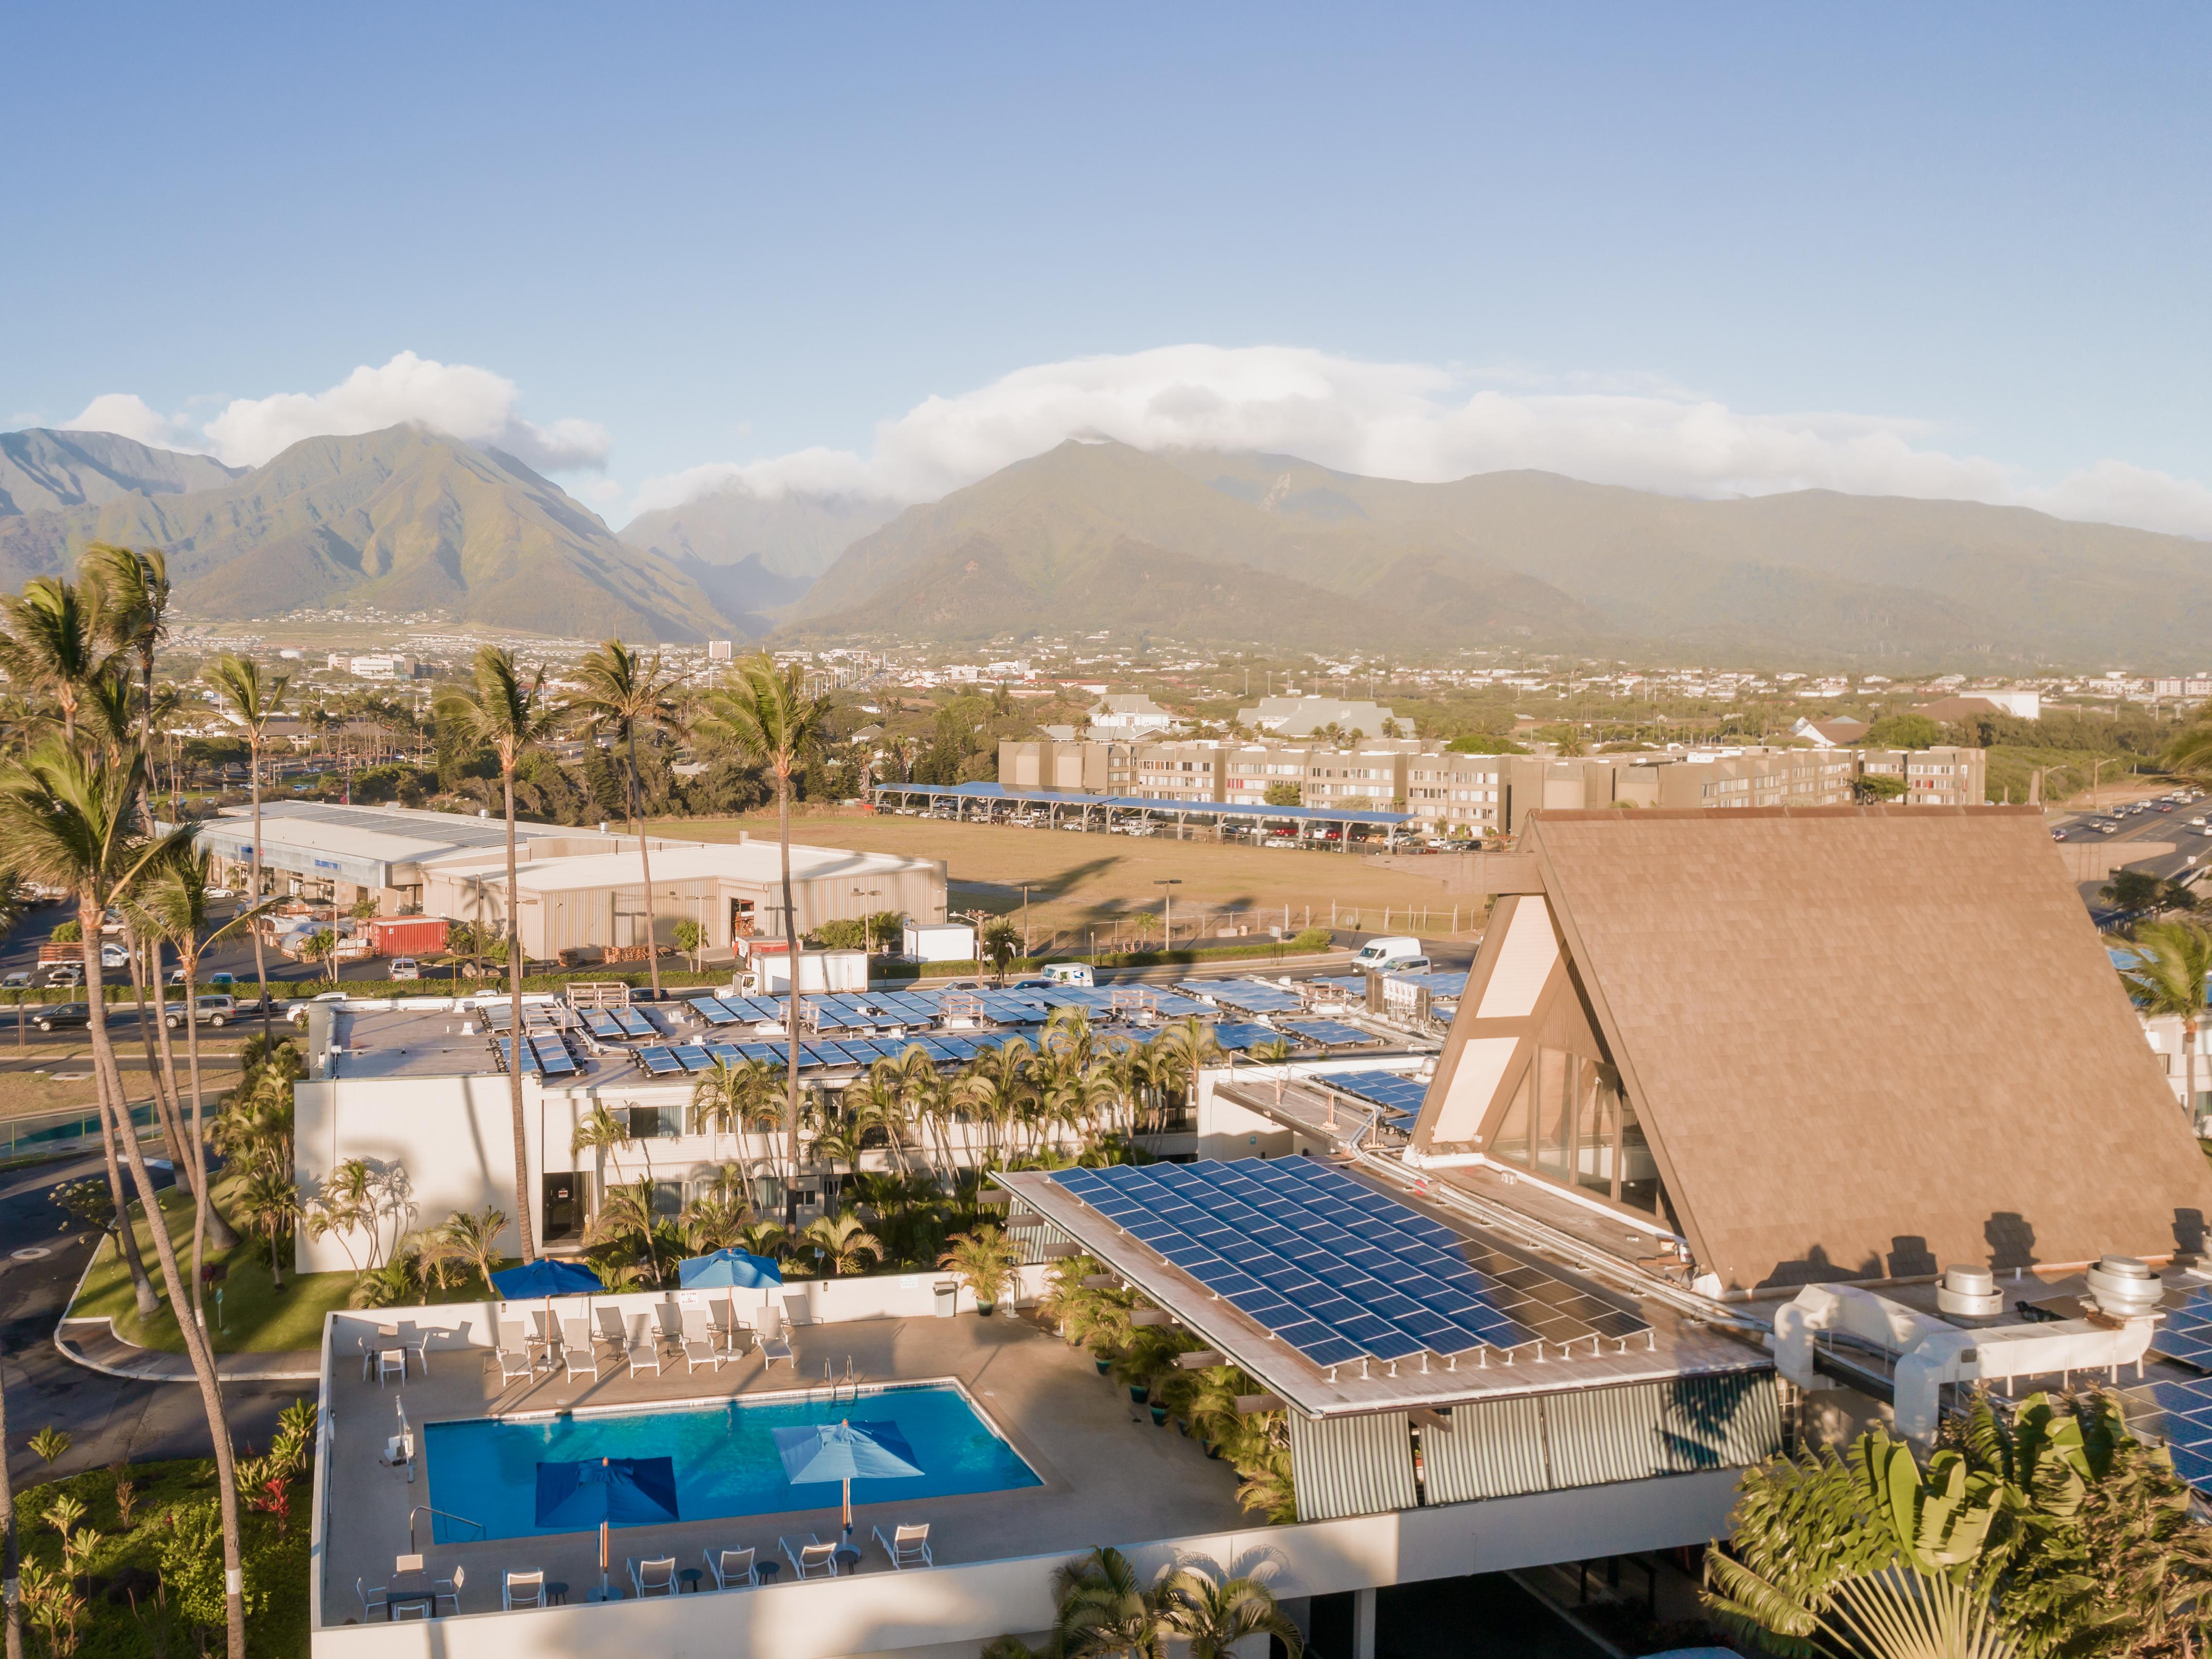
635	1023
715	1012
691	1057
602	1025
1230	1035
1336	1269
658	1062
1330	1033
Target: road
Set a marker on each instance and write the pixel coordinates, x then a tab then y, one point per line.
106	1418
2192	850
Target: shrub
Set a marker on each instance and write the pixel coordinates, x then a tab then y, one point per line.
68	933
1313	939
191	1565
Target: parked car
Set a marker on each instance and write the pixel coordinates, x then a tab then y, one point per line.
406	968
214	1011
61	1014
65	973
113	955
18	980
221	981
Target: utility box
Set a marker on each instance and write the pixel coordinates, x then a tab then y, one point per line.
406	936
940	941
819	971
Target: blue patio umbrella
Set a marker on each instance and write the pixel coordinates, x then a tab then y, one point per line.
730	1269
844	1452
604	1490
544	1277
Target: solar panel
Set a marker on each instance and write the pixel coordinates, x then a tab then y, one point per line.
1393	1090
1336	1269
1330	1033
1247	996
2186	1335
1242	1036
659	1061
713	1012
602	1025
691	1057
635	1023
507	1055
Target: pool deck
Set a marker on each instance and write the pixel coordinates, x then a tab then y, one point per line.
1108	1474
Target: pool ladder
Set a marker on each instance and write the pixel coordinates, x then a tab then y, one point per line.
482	1531
847	1386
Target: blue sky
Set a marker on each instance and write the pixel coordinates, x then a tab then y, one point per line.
1768	244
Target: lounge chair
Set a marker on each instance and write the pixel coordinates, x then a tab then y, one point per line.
514	1367
773	1345
813	1559
908	1546
523	1589
698	1352
610	1323
371	1600
449	1589
670	1317
579	1359
644	1355
732	1569
654	1578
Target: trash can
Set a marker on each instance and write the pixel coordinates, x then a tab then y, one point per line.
948	1299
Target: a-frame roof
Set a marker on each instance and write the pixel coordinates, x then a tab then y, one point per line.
1864	1042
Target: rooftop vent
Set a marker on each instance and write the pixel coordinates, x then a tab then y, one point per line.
2124	1287
1968	1293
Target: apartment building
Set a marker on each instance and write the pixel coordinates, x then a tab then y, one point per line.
1484	794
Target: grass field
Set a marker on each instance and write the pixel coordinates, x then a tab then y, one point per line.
257	1318
1077	884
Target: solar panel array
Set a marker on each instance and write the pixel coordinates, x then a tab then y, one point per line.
1249	996
1436	985
1329	1033
1398	1095
1337	1270
2186	1335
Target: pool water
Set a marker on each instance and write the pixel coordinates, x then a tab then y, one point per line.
486	1469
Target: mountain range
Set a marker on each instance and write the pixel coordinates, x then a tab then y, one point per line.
1228	546
404	519
1197	545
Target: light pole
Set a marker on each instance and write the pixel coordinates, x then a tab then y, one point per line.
866	892
1167	911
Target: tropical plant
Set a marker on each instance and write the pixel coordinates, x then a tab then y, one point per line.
473	1236
1215	1615
600	1130
984	1261
266	1203
1107	1612
620	694
840	1243
2168	972
252	702
714	1221
769	716
498	709
998	946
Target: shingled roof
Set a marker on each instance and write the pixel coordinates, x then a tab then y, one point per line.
1862	1041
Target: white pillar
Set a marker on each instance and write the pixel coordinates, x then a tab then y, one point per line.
1363	1624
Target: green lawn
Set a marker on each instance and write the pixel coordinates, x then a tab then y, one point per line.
257	1318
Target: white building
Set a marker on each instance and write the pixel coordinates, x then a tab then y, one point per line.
1126	715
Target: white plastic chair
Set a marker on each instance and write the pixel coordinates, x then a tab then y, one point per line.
522	1589
449	1589
391	1362
371	1600
732	1569
908	1545
654	1578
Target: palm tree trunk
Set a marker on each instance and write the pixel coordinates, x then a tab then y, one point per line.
254	865
10	1552
114	1109
202	1205
514	995
164	1109
2188	1065
791	1008
637	829
195	1339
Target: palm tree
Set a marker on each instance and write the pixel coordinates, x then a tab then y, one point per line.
253	702
1214	1615
773	720
512	718
50	643
998	946
769	1239
1107	1613
600	1130
2169	972
715	1221
67	817
474	1238
984	1260
624	693
1187	1048
266	1203
841	1243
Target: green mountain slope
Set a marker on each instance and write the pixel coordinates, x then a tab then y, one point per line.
1532	558
405	519
43	470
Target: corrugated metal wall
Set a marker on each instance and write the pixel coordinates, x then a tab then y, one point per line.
1352	1465
1541	1443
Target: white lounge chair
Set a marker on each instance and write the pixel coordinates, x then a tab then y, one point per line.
449	1589
654	1578
579	1359
773	1345
908	1546
698	1352
732	1569
523	1589
814	1560
514	1367
610	1323
643	1354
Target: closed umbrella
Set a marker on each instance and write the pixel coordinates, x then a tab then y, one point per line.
845	1452
630	1491
730	1269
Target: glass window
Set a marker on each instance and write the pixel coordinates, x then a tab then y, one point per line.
1510	1143
1597	1122
1639	1170
1556	1076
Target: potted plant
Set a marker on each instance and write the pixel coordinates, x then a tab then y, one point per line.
984	1260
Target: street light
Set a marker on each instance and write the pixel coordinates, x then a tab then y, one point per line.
1167	911
865	916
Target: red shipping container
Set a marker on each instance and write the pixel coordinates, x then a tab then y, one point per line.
407	936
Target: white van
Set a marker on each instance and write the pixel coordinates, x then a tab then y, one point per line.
1389	955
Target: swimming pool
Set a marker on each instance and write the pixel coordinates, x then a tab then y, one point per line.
485	1468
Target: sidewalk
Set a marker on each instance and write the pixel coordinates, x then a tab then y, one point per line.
93	1344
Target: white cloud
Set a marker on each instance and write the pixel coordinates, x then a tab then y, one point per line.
473	404
129	415
1426	422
